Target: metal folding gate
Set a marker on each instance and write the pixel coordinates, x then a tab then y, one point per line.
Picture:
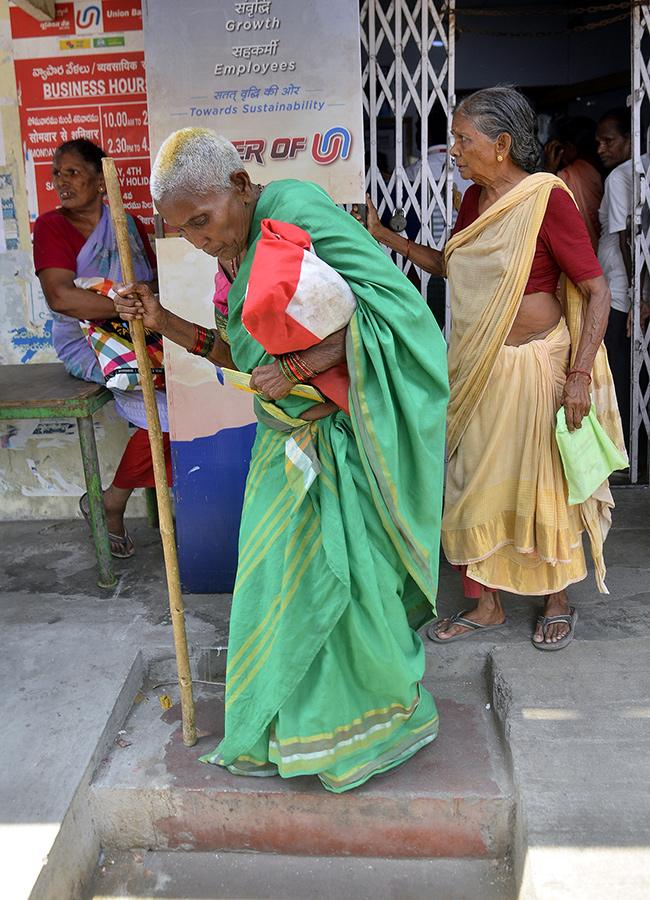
640	387
408	68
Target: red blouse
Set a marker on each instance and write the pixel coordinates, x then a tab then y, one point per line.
563	243
57	243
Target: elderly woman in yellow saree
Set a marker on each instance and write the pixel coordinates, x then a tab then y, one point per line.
516	354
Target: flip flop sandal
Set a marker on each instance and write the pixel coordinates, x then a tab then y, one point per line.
570	619
123	542
84	506
458	619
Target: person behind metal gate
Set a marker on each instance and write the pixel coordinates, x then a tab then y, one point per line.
614	141
570	153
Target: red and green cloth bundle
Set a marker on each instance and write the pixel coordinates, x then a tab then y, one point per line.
295	300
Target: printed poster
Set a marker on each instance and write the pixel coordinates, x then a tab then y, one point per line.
281	79
83	75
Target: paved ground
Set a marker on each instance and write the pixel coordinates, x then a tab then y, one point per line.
576	724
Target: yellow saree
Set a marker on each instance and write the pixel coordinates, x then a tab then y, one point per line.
506	513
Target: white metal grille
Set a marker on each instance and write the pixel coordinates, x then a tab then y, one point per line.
640	368
408	67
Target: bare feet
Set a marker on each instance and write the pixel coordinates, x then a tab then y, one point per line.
488	611
556	605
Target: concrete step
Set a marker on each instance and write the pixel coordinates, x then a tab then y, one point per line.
226	875
453	799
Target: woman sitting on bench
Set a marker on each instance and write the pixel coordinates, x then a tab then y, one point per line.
77	240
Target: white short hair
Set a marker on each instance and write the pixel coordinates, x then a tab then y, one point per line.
194	159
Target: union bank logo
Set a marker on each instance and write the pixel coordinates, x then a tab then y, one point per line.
88	17
332	145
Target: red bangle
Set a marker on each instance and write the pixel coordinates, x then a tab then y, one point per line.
580	372
303	367
408	247
287	370
295	369
203	341
197	340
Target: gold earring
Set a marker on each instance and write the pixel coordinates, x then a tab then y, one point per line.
499	158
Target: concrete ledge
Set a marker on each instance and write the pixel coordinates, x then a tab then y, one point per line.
74	852
49	840
599	873
256	876
452	799
579	737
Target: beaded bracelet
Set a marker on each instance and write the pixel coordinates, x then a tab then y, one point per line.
580	372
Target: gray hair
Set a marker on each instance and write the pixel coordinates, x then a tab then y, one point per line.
500	109
194	159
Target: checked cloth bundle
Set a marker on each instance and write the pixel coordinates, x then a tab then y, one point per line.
111	341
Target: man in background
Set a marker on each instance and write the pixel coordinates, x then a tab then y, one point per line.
613	138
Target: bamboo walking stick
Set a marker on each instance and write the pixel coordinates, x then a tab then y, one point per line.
136	328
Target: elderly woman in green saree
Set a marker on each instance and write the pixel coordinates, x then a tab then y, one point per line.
338	568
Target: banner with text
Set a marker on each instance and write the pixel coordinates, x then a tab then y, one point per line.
82	75
281	79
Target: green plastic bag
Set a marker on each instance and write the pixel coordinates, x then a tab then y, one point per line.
588	455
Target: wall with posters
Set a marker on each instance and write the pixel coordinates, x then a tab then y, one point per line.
245	70
80	75
83	75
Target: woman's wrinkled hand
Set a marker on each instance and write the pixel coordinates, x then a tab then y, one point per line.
137	301
576	400
372	222
270	381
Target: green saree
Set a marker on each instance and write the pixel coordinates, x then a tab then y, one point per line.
339	539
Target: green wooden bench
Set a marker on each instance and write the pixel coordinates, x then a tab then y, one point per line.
46	391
